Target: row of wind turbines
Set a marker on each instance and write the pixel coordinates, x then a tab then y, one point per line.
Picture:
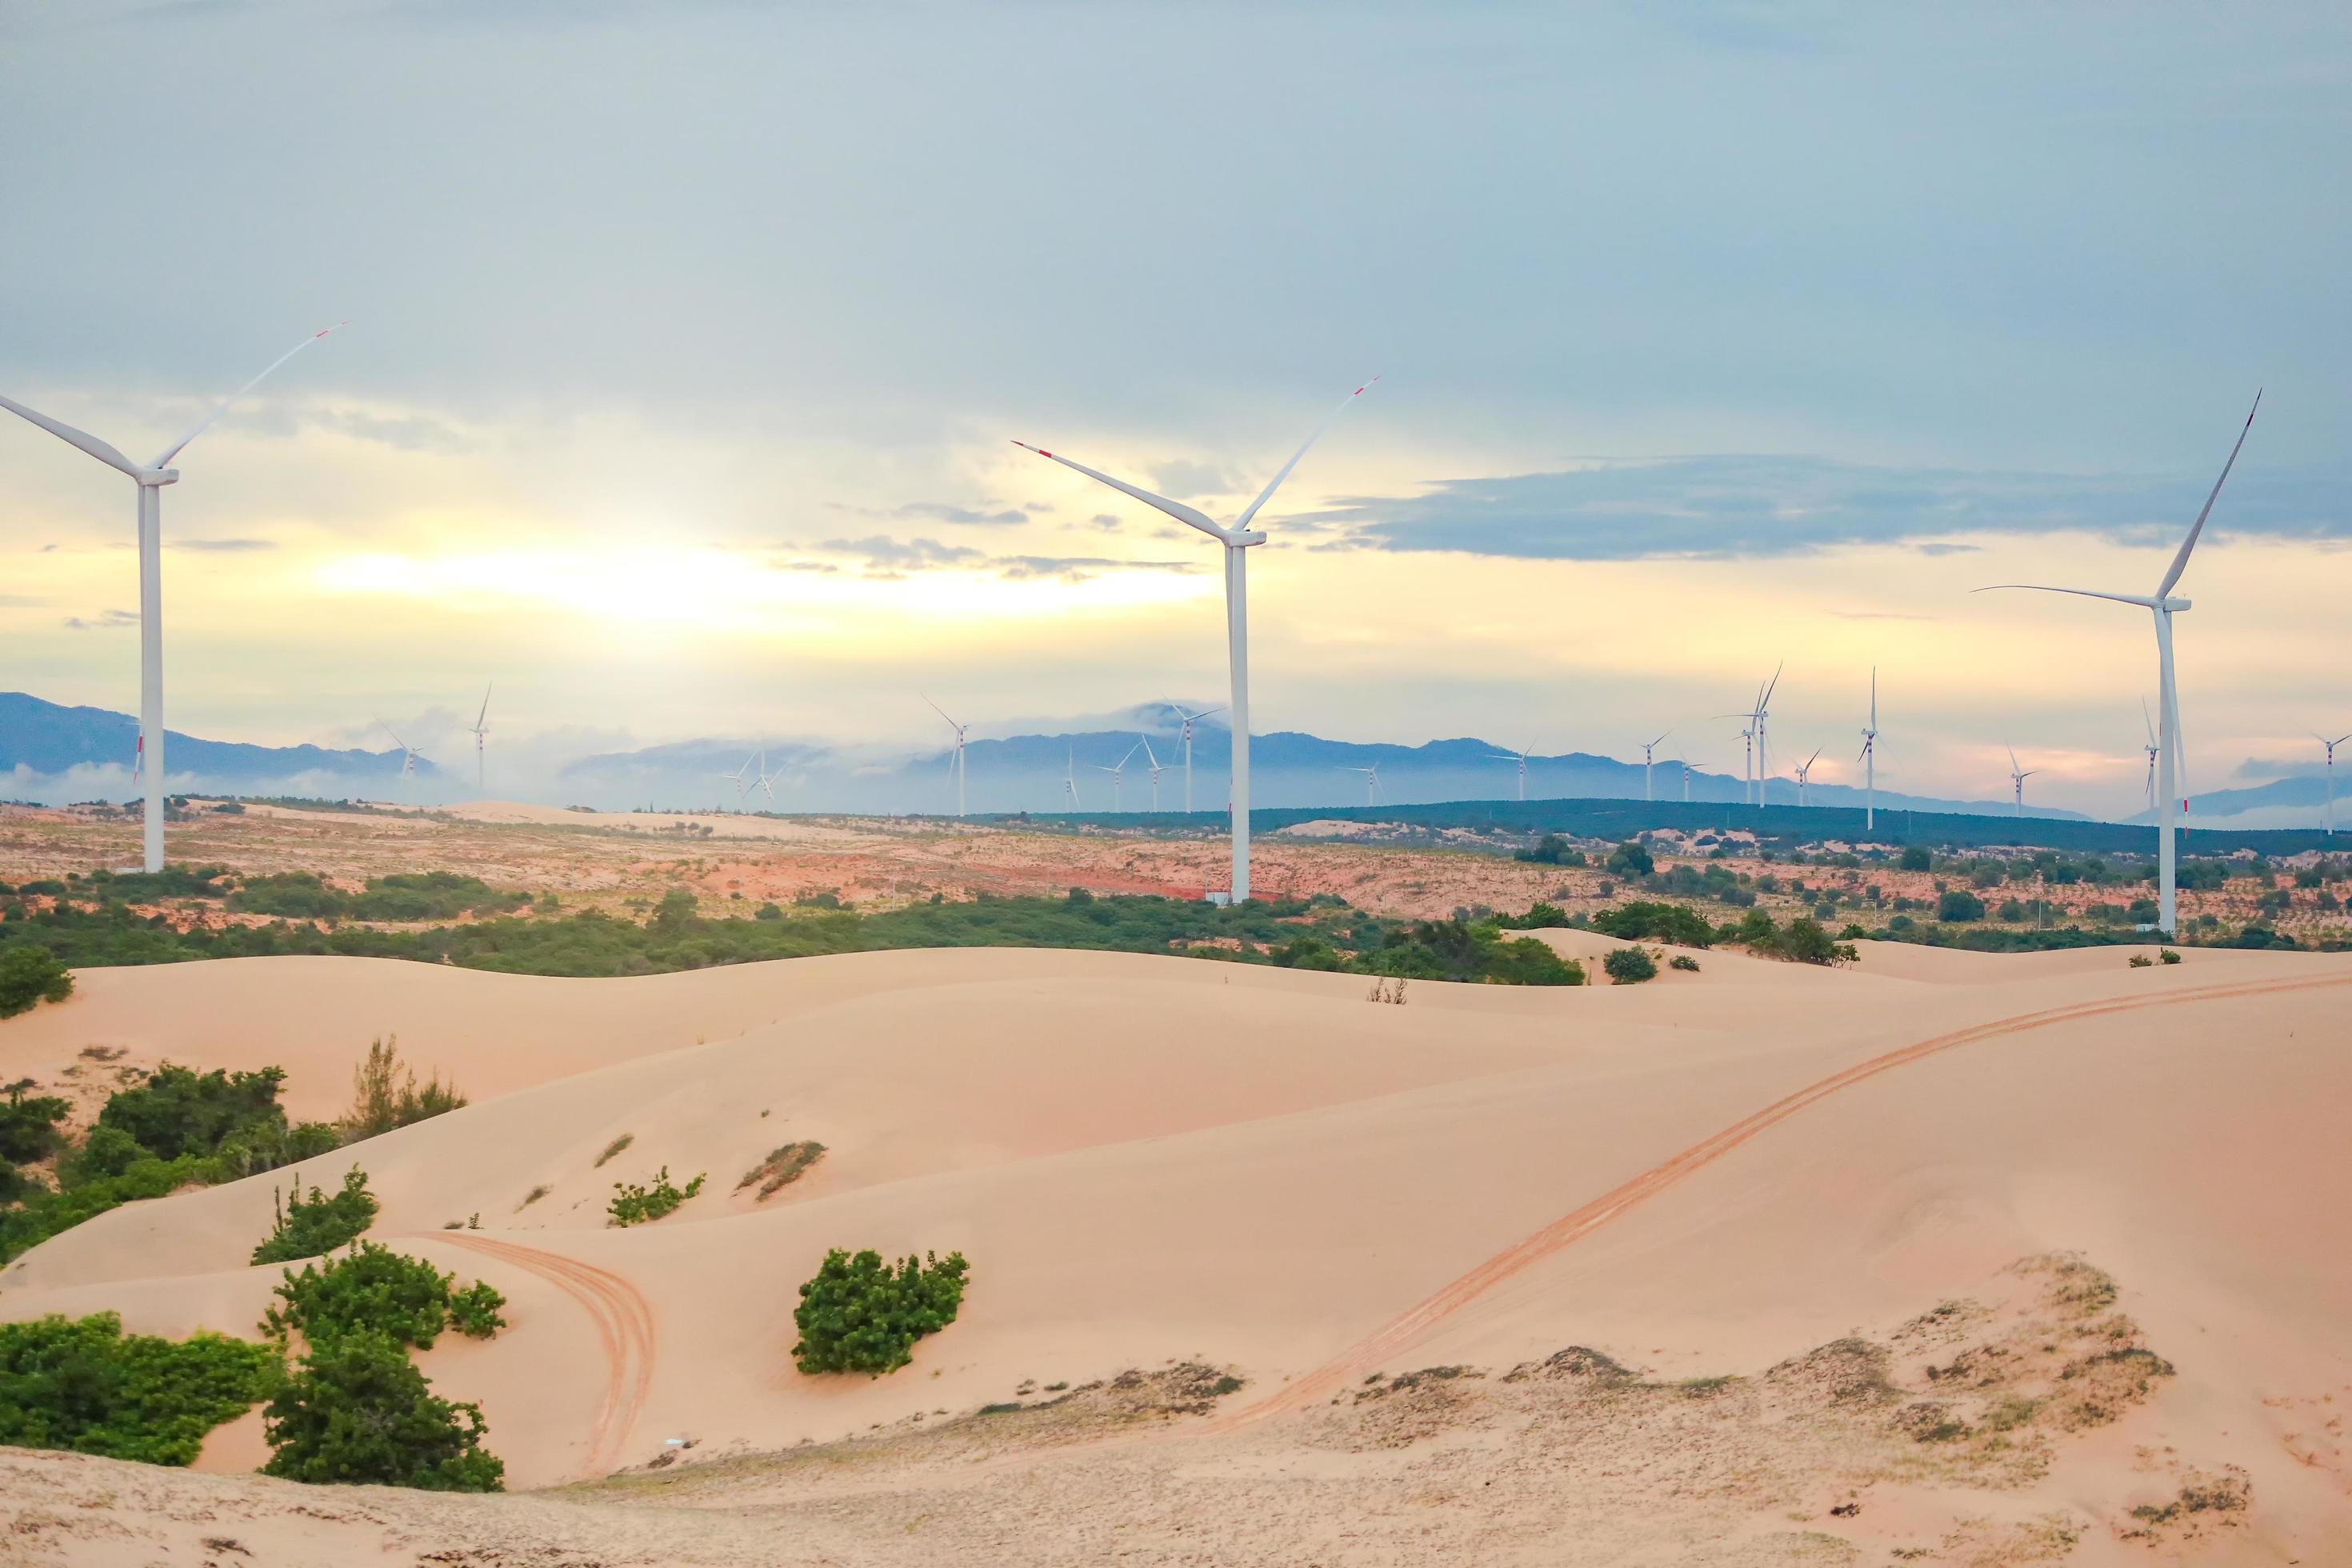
1236	538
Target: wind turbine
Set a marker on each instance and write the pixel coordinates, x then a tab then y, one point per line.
2151	723
1754	736
150	478
1805	774
1117	771
1518	757
2331	746
2163	607
1187	718
739	778
481	735
766	781
1648	747
955	760
1869	758
1237	541
1070	780
2017	780
1158	767
1371	782
407	761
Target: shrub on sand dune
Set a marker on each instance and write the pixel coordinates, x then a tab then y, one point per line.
861	1314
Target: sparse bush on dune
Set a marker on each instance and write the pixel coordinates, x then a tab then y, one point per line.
782	1167
636	1204
374	1289
316	1225
861	1314
29	1128
30	974
387	1095
356	1411
1630	965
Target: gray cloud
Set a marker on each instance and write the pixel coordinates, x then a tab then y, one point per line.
887	558
1078	568
224	545
1731	506
939	511
881	553
105	621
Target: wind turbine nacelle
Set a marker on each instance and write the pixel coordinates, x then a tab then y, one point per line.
2176	604
1247	537
156	479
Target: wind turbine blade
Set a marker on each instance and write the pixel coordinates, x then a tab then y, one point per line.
480	719
2012	759
1175	509
230	401
2084	592
1774	685
1275	483
941	712
2340	740
73	437
395	736
1148	754
1662	738
2180	561
1814	758
2147	721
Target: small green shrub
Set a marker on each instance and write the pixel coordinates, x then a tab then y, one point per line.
86	1386
385	1094
860	1314
1630	965
29	1128
314	1227
1684	962
179	1111
2166	955
2140	961
374	1289
615	1146
532	1197
356	1411
634	1205
30	975
781	1166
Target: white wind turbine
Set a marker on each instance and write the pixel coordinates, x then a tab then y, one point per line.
1117	771
1518	757
955	759
740	778
1869	758
408	755
1070	780
766	781
1754	736
1371	782
1152	758
1648	750
2017	781
2151	749
150	478
1237	541
1187	718
2171	763
1687	766
481	735
1805	774
2331	745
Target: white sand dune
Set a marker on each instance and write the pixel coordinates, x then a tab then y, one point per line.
1154	1159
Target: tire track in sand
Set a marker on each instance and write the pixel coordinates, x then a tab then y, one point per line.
1368	1353
624	1321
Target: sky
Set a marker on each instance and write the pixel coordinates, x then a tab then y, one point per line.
688	345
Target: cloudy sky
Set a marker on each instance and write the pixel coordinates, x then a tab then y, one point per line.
687	347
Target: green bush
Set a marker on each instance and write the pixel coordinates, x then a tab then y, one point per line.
45	1214
374	1289
314	1227
860	1314
1915	857
1630	965
385	1094
30	974
106	1152
1683	961
1640	919
29	1128
1631	859
356	1411
86	1386
634	1205
181	1112
1958	904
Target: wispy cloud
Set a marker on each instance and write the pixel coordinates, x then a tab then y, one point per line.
939	511
104	621
1728	506
224	545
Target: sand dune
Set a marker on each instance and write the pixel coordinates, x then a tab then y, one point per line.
1156	1160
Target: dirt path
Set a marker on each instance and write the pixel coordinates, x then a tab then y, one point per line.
625	1323
1378	1348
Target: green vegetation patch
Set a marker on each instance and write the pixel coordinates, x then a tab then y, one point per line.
374	1289
356	1411
84	1386
782	1167
636	1204
30	974
861	1314
316	1225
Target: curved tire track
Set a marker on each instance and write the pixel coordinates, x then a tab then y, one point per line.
624	1319
1370	1352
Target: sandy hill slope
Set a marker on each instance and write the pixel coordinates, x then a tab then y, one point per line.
1157	1164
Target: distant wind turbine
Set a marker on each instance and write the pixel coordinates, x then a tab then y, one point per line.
766	781
1518	757
2163	607
481	735
1237	541
955	759
408	755
1869	758
740	778
1805	775
1687	766
1117	771
1647	748
1070	779
2017	780
2152	749
1371	782
1187	718
150	478
2331	746
1152	759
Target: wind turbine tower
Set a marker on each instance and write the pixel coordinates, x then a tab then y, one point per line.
1805	775
1152	759
2017	781
481	735
1518	757
1648	748
1187	718
1870	758
1070	779
2331	745
2163	607
150	478
1371	782
407	764
955	758
1237	541
1117	771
